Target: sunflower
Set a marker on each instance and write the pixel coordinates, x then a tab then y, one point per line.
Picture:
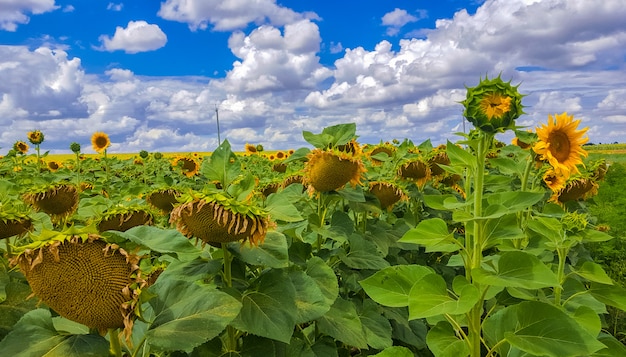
21	147
554	181
280	155
250	149
575	190
381	152
215	219
100	141
279	167
58	201
54	165
329	170
561	144
387	193
493	105
35	137
163	199
416	170
188	166
122	218
83	278
440	158
14	217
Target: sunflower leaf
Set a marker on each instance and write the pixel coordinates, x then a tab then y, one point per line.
222	166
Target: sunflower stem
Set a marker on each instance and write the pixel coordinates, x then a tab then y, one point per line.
231	342
114	343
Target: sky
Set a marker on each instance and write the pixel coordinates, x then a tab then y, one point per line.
159	75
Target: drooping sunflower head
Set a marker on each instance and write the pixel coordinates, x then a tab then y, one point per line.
493	105
124	216
35	137
100	141
381	152
163	199
14	217
215	218
388	194
83	278
440	157
560	143
415	170
575	189
20	147
188	166
329	170
59	201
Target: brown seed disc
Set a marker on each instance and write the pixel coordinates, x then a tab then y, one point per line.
125	221
60	201
80	282
15	227
212	222
163	200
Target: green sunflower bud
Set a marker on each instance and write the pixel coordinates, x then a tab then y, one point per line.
493	105
75	147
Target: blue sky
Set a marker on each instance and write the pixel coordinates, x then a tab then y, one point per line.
151	73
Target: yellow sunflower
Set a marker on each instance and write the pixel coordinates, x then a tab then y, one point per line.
250	149
100	141
561	144
495	105
35	137
329	170
554	181
20	147
54	165
189	166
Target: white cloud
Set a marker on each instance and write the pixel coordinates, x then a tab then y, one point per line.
274	61
138	36
68	8
115	7
398	18
13	12
228	15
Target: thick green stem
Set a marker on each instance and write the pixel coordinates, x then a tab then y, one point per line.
477	243
114	343
231	343
562	254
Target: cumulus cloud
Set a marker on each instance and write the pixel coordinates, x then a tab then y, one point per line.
14	12
398	18
138	36
271	60
228	15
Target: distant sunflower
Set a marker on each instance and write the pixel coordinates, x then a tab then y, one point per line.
440	158
20	147
387	193
100	141
381	152
280	155
561	144
35	137
250	149
54	165
517	142
189	166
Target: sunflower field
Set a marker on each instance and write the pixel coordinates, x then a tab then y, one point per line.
471	248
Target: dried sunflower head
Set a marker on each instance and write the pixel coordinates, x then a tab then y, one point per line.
59	200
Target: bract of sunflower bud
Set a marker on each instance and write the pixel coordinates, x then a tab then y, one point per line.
493	105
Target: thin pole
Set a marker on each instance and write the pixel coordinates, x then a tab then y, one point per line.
217	118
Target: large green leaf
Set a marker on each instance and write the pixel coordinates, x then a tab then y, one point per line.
429	297
514	201
269	308
280	206
391	286
460	157
331	136
395	351
222	166
443	341
192	270
310	301
593	272
545	330
343	323
433	234
273	252
612	295
502	228
613	347
15	305
377	328
547	227
165	241
517	269
363	254
188	314
35	335
324	277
